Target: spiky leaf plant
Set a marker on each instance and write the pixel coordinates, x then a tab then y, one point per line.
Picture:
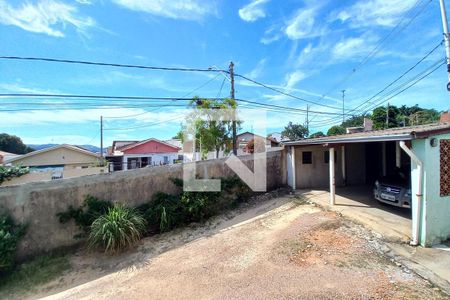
118	229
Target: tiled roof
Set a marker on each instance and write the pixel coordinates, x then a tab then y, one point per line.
399	133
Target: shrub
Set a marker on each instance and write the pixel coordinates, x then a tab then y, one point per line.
85	215
10	235
6	173
164	212
117	230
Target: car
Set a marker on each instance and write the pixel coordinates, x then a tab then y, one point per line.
394	189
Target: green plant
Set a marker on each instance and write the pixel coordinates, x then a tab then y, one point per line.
164	212
7	173
117	230
85	215
10	235
31	274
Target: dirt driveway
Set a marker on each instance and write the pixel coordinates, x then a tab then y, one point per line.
293	251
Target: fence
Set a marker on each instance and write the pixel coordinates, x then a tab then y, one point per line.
38	203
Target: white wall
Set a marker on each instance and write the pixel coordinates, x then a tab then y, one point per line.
156	158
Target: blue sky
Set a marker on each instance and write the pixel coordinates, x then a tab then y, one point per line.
305	48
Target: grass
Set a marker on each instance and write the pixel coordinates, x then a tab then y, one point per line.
29	275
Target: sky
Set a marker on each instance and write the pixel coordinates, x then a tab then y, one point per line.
310	49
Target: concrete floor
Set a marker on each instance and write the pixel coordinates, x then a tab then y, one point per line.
393	224
358	203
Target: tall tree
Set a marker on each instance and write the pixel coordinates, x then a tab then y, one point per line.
13	144
317	134
336	130
294	132
213	131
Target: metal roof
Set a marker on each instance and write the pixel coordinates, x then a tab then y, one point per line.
391	134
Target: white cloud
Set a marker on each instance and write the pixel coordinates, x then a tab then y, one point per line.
374	12
353	47
303	24
175	9
253	11
46	16
257	71
271	35
293	78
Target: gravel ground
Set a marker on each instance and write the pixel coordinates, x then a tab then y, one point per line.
281	248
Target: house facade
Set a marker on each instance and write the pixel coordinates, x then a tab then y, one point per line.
58	157
361	158
127	155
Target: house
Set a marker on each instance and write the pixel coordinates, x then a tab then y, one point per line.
125	155
4	156
360	158
61	157
245	137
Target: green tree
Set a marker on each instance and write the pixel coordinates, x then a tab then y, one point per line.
317	134
379	117
294	132
353	121
213	130
336	130
13	144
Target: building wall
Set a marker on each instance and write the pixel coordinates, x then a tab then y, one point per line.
38	203
151	147
59	156
436	209
355	163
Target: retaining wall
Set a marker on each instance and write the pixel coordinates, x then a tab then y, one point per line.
38	203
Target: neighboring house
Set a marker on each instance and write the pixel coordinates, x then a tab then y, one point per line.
276	136
4	156
245	137
59	157
126	155
361	158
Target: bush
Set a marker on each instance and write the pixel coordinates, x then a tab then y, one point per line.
117	230
164	212
85	215
10	235
7	173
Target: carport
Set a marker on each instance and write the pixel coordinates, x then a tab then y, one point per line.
344	164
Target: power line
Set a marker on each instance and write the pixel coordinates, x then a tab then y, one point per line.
68	61
379	45
284	93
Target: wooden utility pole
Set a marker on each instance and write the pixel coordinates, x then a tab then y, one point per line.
232	97
101	138
343	106
446	39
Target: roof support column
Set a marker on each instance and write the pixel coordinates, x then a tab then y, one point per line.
344	175
398	153
294	179
332	177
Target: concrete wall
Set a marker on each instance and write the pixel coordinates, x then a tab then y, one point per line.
435	217
38	203
47	176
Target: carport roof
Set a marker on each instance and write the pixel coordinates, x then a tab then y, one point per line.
391	134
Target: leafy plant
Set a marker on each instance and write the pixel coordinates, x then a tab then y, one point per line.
85	215
10	235
165	212
117	230
7	173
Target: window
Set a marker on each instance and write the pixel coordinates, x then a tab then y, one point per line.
166	159
307	157
326	156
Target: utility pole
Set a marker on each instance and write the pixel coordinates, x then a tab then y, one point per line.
446	39
232	97
101	138
343	106
307	118
387	116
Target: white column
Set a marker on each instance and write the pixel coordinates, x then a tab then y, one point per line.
294	179
383	158
124	163
332	178
344	175
398	161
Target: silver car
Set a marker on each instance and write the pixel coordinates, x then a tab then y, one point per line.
394	190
